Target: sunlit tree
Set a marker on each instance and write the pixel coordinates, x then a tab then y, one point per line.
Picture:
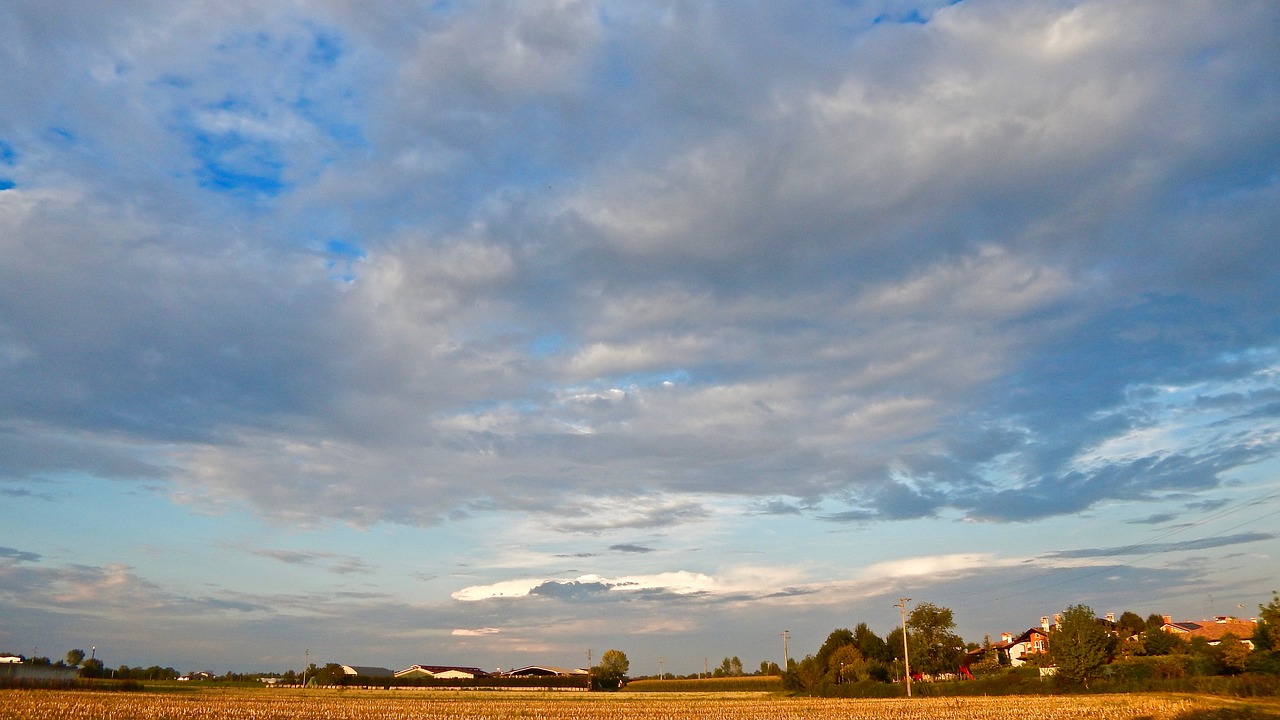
1080	646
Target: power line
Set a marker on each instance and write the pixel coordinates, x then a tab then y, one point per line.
1128	549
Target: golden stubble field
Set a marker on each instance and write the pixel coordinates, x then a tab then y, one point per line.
380	705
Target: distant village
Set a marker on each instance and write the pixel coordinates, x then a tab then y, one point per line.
1029	647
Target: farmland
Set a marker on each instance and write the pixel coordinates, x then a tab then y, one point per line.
217	704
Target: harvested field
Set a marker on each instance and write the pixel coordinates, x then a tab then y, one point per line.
375	705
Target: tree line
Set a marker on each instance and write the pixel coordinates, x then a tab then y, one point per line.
1081	649
87	666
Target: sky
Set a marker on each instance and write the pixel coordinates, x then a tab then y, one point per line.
494	334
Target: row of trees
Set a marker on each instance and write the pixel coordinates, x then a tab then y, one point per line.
859	654
1080	647
92	667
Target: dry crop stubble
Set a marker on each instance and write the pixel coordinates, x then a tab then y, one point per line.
383	705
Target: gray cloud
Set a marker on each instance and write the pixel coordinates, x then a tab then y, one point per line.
19	555
798	269
630	548
570	590
1152	548
334	563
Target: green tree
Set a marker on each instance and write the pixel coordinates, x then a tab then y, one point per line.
1155	641
769	668
1080	646
93	668
330	674
613	666
934	648
806	675
872	647
75	657
725	669
1234	654
846	664
1131	623
1265	657
837	639
1266	636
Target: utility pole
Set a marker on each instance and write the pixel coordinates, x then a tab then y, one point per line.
705	671
786	658
306	665
906	661
588	657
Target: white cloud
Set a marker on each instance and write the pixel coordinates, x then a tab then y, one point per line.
476	632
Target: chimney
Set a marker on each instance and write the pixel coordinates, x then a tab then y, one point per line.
1167	619
1006	637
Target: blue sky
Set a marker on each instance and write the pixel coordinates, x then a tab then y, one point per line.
489	334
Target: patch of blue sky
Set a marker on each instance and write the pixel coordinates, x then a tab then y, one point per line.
345	254
173	81
7	184
545	346
326	48
618	72
921	15
238	42
912	18
8	155
344	248
61	135
324	117
123	518
676	376
443	7
265	181
238	165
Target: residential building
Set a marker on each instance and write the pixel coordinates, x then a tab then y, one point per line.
1212	630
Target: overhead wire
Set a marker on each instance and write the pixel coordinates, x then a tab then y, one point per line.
1129	549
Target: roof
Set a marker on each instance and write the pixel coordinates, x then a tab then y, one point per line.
545	670
367	671
1026	635
1213	630
449	670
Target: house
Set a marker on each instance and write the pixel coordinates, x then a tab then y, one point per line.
1212	630
545	671
1033	641
10	659
450	672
